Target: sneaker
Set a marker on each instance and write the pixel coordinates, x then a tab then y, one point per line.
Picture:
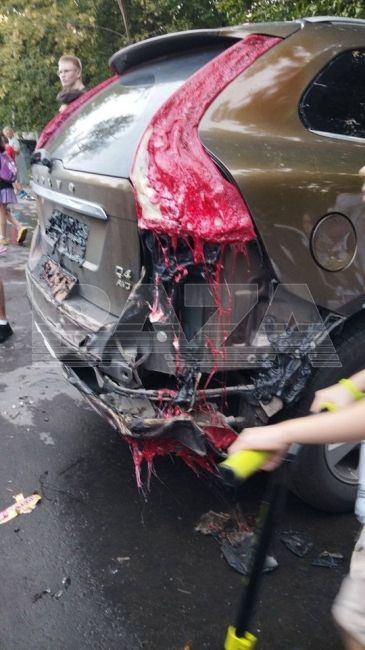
22	233
5	332
4	241
22	194
3	249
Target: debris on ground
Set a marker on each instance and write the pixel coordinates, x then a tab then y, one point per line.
296	542
22	506
212	523
235	534
66	581
239	555
38	596
329	560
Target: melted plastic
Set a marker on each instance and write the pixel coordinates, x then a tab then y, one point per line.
181	196
179	190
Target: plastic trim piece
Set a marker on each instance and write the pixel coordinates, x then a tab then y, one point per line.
152	48
83	207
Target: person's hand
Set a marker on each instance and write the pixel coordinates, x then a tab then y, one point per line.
268	438
336	394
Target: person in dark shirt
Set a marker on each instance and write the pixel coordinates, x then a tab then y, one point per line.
70	74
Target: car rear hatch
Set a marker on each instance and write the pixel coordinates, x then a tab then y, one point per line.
85	255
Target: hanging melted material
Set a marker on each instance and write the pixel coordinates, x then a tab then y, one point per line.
194	356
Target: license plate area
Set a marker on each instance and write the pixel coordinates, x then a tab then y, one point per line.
59	281
68	236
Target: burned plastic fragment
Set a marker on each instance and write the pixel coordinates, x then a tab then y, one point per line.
236	538
183	430
286	378
328	560
239	556
187	385
296	542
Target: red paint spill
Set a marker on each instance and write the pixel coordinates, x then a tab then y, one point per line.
58	120
147	450
179	191
221	437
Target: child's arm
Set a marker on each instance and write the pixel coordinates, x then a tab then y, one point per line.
339	394
347	424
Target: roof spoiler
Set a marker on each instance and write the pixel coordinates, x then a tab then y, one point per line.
153	48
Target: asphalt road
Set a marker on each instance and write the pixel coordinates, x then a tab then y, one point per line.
98	566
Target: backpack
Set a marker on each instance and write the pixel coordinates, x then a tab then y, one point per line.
7	168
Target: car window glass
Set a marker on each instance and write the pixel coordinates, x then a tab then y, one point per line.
101	137
335	100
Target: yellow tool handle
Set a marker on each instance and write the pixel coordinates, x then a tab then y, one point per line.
234	642
243	464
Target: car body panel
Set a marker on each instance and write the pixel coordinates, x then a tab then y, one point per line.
96	273
254	129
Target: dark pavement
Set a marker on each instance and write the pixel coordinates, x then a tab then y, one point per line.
98	566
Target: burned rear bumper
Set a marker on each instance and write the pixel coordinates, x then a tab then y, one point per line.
139	414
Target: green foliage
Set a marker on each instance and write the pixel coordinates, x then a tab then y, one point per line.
290	9
34	34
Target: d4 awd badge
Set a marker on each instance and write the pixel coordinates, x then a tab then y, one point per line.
124	277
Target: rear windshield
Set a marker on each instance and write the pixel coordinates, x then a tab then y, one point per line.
101	137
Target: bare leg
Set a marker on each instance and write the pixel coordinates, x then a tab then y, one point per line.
3	220
12	219
2	302
5	215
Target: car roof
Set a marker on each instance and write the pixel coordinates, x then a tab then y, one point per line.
152	48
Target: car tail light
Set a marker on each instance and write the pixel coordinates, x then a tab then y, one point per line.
179	190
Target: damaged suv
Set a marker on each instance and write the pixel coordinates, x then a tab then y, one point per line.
198	265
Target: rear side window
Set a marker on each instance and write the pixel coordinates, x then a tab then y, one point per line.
101	137
335	100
